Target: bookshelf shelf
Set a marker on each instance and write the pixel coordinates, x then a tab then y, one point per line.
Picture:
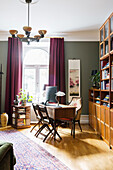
104	79
105	68
105	101
104	57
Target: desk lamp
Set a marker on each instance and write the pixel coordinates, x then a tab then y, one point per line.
59	94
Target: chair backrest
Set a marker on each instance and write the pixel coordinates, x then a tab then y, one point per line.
77	102
42	110
35	110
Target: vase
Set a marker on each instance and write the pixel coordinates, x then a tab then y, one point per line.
4	119
23	103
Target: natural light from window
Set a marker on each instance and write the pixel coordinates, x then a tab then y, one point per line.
35	73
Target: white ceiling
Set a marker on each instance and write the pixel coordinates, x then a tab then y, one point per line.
68	18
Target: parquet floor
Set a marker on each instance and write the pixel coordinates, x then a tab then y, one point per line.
86	152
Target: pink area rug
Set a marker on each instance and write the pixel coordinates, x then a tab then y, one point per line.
30	155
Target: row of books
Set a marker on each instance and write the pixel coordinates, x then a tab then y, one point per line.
101	51
21	122
104	85
112	72
106	48
19	116
105	74
111	84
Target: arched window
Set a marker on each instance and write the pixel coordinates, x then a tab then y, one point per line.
36	71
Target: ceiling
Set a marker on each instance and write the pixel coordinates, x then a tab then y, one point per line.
69	18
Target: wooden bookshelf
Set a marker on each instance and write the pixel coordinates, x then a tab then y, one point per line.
101	115
21	116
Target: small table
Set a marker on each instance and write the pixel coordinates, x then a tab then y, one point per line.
63	111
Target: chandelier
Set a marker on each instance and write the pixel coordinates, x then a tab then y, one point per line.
28	29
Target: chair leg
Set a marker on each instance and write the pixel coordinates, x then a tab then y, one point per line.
38	132
74	129
57	134
50	131
79	125
35	125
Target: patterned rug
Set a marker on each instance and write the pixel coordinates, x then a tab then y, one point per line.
30	155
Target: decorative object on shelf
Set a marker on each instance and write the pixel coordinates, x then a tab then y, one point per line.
73	78
23	97
95	78
4	119
16	101
28	29
59	94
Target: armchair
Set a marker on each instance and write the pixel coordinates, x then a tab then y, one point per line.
77	102
7	158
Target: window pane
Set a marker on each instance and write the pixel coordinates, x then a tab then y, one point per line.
30	81
43	78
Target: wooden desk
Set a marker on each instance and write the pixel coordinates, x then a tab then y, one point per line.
64	111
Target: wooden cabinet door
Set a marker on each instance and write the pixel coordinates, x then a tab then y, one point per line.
102	129
98	126
107	133
102	115
98	111
107	112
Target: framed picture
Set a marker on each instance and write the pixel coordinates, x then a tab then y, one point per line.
73	78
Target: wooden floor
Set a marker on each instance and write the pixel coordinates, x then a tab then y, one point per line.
86	152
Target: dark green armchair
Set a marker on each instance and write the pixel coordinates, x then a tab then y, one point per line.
7	158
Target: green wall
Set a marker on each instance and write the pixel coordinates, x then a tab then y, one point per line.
88	53
3	61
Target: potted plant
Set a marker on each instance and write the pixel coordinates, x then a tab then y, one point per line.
23	97
95	79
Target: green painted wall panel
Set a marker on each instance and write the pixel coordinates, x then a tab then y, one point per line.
88	53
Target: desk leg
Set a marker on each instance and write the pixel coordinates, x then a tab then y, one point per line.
74	129
55	130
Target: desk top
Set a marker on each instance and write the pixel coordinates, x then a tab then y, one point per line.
61	106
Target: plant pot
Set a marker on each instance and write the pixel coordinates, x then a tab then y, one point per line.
4	119
23	103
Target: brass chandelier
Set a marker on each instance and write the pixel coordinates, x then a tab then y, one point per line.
28	29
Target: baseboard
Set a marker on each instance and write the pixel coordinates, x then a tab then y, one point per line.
6	127
84	119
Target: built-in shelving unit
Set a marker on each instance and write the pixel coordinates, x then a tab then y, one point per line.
101	110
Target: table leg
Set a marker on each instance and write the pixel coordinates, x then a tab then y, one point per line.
73	128
55	130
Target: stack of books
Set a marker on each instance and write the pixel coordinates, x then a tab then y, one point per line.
106	98
20	122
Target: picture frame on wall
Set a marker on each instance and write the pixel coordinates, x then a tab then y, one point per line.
73	78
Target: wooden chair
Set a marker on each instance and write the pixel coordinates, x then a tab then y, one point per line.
46	122
37	116
76	101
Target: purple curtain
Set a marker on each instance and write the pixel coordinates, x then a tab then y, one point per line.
14	73
57	65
